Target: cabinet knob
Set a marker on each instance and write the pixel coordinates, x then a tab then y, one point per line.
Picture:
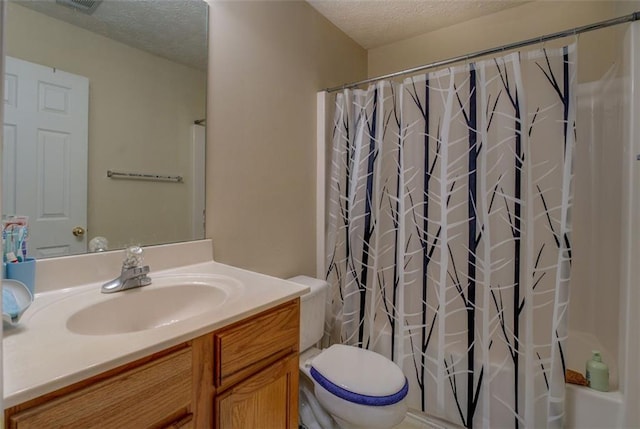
78	231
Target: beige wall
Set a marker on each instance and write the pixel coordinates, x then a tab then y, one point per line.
267	61
141	108
530	20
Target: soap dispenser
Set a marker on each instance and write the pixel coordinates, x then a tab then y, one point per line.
597	373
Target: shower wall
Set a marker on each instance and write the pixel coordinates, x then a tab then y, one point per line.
605	298
630	237
595	287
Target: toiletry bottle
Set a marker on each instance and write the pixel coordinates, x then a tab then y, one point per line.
597	373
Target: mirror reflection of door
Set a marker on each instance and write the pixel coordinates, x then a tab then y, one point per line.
44	171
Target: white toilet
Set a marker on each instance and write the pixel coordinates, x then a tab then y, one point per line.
358	388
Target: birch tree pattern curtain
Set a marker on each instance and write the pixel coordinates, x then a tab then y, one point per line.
448	234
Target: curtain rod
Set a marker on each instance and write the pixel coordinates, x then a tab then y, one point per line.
635	16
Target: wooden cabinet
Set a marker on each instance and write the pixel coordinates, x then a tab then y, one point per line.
242	376
154	394
256	375
246	347
268	399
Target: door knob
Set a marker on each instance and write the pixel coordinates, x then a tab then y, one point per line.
78	231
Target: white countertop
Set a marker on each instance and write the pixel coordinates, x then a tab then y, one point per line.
41	355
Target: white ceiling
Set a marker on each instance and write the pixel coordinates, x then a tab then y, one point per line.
373	23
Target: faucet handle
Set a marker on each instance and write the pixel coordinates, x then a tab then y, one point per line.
133	257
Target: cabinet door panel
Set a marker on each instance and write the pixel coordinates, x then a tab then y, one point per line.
268	400
142	397
245	348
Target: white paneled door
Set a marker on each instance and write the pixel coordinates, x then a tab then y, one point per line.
44	167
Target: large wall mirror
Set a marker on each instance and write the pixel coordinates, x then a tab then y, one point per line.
103	123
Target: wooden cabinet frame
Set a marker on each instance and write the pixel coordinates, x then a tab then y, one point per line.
223	368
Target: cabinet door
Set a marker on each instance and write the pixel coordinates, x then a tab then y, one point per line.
267	400
251	345
148	396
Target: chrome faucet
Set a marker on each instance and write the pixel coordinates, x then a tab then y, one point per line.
133	274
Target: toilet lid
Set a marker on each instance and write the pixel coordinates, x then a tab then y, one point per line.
359	375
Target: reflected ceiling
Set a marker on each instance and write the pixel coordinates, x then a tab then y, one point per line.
163	27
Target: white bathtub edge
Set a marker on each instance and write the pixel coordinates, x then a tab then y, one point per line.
587	408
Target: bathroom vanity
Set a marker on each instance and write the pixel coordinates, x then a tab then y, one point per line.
233	367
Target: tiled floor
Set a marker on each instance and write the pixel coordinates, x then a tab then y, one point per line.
415	421
412	424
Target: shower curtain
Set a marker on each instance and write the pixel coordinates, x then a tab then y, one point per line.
448	234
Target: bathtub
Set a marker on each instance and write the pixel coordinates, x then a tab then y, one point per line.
585	408
588	408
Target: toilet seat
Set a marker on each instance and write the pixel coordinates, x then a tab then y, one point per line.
358	398
359	376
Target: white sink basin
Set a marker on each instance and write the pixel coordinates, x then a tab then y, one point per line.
168	300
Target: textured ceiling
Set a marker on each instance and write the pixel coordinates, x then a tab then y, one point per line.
373	23
172	29
176	29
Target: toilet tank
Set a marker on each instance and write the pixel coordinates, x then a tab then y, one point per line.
312	308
